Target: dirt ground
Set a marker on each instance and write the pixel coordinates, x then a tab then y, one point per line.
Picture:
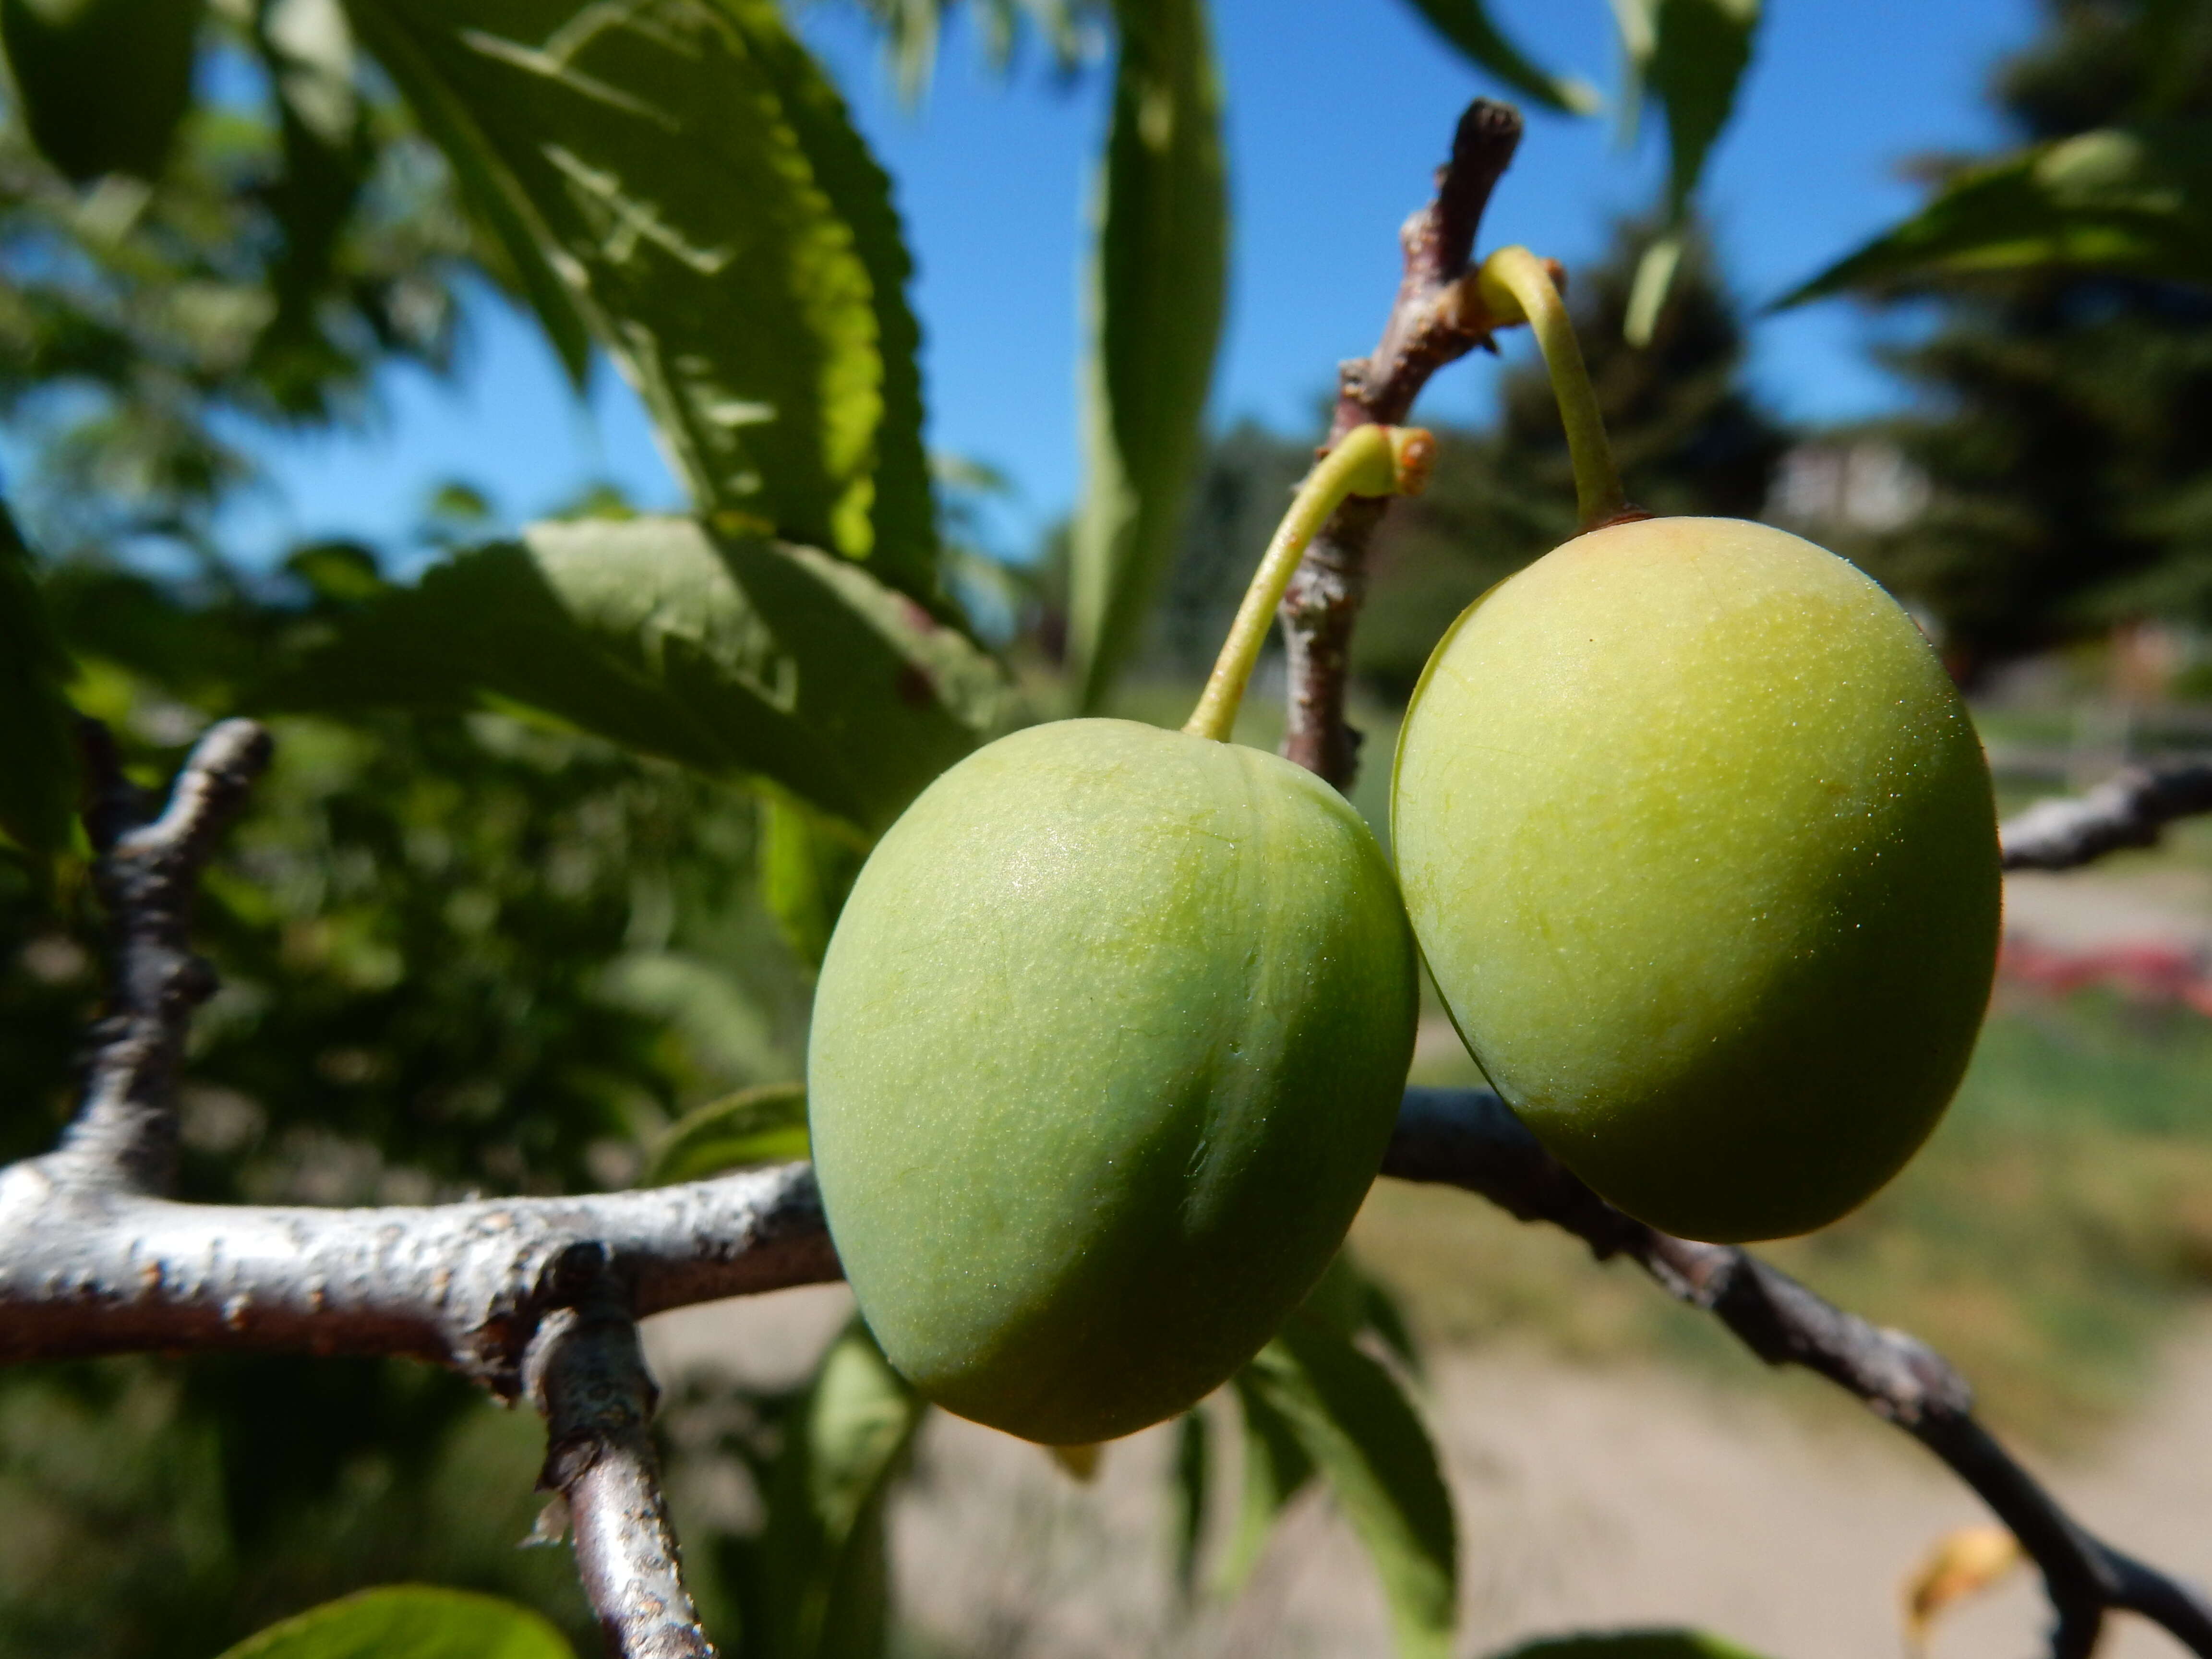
2085	909
1587	1497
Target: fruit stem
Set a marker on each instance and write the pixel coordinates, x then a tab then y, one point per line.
1516	287
1368	460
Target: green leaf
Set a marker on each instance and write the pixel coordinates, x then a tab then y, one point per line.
689	184
766	1125
102	83
38	749
1191	1479
1159	273
823	1553
1354	1422
1691	55
739	656
902	547
409	1621
807	865
1630	1644
2133	200
1348	1301
1468	27
1276	1469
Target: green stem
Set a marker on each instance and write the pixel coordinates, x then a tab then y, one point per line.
1516	287
1369	460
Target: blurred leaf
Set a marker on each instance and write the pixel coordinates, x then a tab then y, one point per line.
409	1621
823	1554
328	155
1648	289
1630	1645
102	83
2133	200
1356	1424
1276	1469
1192	1480
38	749
1158	276
309	49
1079	1462
807	867
913	28
766	1125
1468	27
737	656
689	172
1964	1562
2174	48
1691	55
705	1004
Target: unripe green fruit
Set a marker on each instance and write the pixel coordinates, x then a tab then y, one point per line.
1697	840
1106	1050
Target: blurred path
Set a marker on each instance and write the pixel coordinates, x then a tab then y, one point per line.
2087	909
1633	1494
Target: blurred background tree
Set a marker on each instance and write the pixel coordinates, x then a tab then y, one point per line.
296	234
2065	426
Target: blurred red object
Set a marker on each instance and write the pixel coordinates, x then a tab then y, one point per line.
2146	973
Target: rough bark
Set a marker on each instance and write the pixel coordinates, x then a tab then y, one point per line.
1436	318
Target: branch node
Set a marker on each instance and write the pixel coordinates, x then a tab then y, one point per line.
1430	325
147	874
586	1374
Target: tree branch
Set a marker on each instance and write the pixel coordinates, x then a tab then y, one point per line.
1436	318
2129	810
586	1374
1468	1138
91	1270
147	875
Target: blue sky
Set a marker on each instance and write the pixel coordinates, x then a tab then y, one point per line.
1338	110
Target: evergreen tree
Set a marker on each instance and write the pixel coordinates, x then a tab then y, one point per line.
2067	431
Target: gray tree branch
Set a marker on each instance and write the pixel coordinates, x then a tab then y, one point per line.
587	1373
2131	808
90	1270
147	875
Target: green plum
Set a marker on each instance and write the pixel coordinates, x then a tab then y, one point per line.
1697	840
1107	1049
